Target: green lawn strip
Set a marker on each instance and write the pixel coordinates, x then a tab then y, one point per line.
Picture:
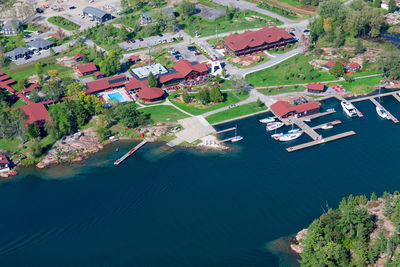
63	23
295	70
11	145
18	103
163	113
292	3
281	90
226	84
230	98
223	24
235	112
283	50
362	86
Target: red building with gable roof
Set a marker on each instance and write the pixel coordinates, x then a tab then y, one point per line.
184	70
315	88
79	57
284	109
86	69
254	41
4	164
36	113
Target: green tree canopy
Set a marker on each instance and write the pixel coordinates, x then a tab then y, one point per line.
215	94
337	69
151	80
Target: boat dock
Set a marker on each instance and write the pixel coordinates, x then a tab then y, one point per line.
390	116
322	125
226	140
130	152
322	141
306	129
226	130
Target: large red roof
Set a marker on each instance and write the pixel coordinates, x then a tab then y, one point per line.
4	77
4	160
282	108
251	39
35	112
316	86
104	84
150	93
134	84
78	56
183	68
31	87
87	67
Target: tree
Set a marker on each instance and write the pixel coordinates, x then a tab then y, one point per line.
377	3
392	6
52	52
204	96
389	64
215	94
59	34
128	115
110	64
36	148
259	102
74	90
22	83
151	80
373	196
238	82
53	73
223	73
337	69
33	130
359	47
186	8
186	97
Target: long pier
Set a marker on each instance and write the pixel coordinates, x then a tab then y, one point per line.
307	129
390	116
335	122
130	152
322	141
226	130
226	140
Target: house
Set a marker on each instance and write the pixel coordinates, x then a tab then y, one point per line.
146	18
19	52
284	109
12	27
31	87
254	41
85	69
36	113
4	164
79	57
40	44
151	94
348	67
114	82
98	75
96	14
353	67
315	88
184	70
133	59
142	73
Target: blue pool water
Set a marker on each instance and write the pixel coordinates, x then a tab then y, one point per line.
116	97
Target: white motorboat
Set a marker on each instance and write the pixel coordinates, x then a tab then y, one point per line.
307	120
267	120
290	136
382	113
349	109
274	125
237	137
293	131
276	135
327	126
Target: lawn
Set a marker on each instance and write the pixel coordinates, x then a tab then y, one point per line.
223	24
281	90
277	9
235	112
295	70
18	103
163	113
11	145
230	98
63	23
162	56
362	86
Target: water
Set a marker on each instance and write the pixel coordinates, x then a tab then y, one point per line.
190	208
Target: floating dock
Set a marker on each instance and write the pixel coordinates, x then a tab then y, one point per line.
322	125
226	130
390	116
226	140
322	141
130	152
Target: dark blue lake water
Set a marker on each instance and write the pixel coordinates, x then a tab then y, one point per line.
191	208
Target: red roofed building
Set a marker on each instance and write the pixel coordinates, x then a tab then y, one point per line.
133	59
134	85
114	82
4	164
184	70
254	41
79	57
315	88
99	75
348	67
353	66
36	112
86	69
151	94
30	87
284	109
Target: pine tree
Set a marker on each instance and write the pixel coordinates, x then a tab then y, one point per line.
377	3
215	95
151	80
359	47
337	70
373	196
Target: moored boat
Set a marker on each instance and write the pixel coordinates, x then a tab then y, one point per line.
327	126
237	137
267	120
349	109
290	136
274	125
381	112
276	135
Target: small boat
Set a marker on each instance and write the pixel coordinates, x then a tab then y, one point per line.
237	137
276	135
381	112
290	136
117	149
113	138
274	125
307	120
349	109
327	126
293	130
267	120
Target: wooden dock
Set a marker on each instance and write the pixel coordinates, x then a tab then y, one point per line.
390	116
226	130
306	129
226	140
322	141
396	96
335	122
130	152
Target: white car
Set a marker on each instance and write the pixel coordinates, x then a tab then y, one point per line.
36	52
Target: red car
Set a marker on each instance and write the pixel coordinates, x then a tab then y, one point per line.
128	42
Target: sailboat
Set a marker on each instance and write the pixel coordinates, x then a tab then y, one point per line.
381	112
237	137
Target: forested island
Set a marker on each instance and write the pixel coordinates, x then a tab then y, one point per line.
360	232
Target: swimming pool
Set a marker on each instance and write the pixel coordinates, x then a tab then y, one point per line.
116	97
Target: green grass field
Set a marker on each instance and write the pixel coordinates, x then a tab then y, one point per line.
295	70
63	23
230	98
362	86
235	112
11	145
281	90
163	113
222	24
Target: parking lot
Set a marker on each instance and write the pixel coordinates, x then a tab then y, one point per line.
150	41
189	55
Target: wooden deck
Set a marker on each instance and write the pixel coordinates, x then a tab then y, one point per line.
226	130
306	129
322	141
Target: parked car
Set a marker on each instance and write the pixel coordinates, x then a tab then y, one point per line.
141	39
36	52
72	7
39	32
176	53
192	48
197	53
292	33
133	41
128	42
178	57
39	10
164	41
159	41
160	35
173	39
212	46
